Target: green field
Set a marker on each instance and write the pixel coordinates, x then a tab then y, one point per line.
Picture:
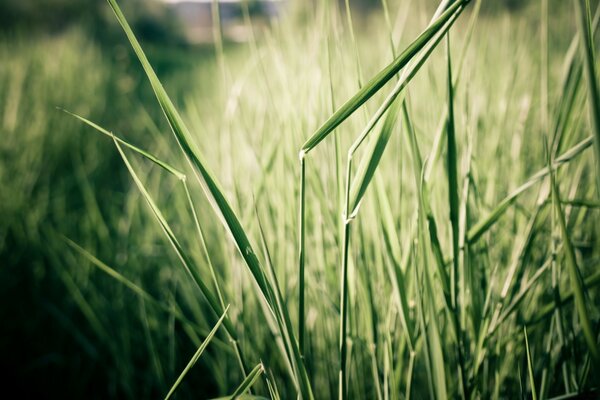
396	204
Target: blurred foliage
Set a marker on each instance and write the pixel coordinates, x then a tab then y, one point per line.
152	19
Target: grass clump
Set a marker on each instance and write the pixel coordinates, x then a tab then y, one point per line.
456	259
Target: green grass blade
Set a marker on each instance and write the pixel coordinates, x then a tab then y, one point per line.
301	254
380	79
394	268
248	382
452	171
487	222
370	161
177	173
547	310
590	63
197	354
184	137
574	274
530	366
175	311
183	256
209	183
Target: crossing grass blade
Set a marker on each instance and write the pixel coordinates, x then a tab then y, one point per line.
172	170
185	259
487	222
185	140
370	161
211	188
197	354
247	384
530	366
379	80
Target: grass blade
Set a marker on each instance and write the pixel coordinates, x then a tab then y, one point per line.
487	222
210	185
574	274
587	48
177	173
197	354
247	383
529	365
379	80
370	161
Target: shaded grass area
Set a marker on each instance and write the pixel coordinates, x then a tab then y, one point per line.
46	161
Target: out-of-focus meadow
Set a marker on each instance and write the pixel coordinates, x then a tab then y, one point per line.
94	302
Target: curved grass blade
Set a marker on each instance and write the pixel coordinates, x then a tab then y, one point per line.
197	354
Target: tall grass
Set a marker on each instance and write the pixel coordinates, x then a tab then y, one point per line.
426	245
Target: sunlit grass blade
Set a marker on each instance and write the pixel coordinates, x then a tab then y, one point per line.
210	185
370	161
379	80
197	354
184	138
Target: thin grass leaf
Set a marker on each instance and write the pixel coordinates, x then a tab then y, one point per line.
574	274
380	79
487	222
197	354
169	168
394	268
210	185
530	366
127	283
587	48
452	171
370	161
247	384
